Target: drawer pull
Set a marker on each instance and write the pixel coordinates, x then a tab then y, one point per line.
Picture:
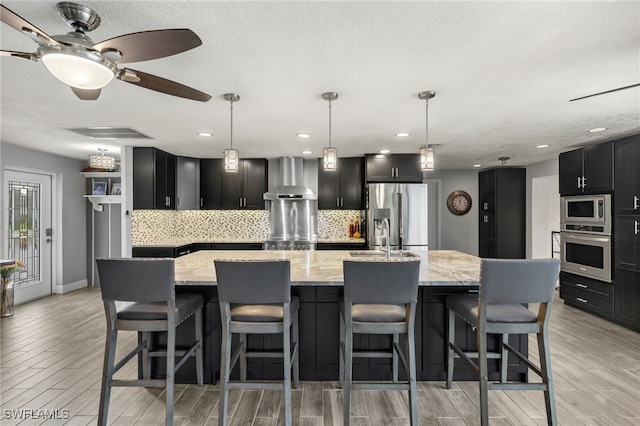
579	299
581	285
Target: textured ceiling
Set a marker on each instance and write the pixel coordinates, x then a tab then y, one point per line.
503	73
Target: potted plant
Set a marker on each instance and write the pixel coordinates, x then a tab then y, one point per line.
6	286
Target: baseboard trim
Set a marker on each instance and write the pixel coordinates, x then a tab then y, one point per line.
65	288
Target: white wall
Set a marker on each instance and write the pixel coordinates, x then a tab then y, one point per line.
69	223
543	207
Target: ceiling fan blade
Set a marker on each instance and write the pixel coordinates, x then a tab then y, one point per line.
10	18
86	95
147	45
24	55
159	84
607	91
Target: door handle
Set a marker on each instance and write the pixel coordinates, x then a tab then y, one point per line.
48	240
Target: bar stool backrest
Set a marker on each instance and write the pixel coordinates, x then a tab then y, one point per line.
508	281
253	282
136	279
381	281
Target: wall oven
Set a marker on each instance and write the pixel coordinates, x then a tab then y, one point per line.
588	255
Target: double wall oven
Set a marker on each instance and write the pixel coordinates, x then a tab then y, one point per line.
585	236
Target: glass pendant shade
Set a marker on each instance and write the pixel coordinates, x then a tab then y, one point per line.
427	158
330	158
102	161
231	160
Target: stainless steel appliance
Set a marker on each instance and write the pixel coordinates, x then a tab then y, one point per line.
585	237
293	210
405	206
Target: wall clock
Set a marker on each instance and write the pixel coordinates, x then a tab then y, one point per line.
459	202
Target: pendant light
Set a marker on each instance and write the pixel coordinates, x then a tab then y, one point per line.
231	156
101	161
330	154
427	155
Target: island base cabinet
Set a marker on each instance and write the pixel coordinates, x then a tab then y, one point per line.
319	320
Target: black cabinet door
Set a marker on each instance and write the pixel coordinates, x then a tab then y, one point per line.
154	179
254	182
570	169
329	187
351	183
232	186
165	180
211	170
627	242
408	168
187	183
627	176
598	168
627	292
379	168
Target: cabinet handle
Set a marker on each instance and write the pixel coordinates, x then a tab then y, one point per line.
584	182
337	202
486	218
486	205
244	202
341	202
579	182
636	202
581	285
178	201
240	202
580	299
201	202
636	227
167	201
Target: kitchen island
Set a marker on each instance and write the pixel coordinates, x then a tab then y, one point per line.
317	279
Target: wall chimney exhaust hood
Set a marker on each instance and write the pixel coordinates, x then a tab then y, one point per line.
290	181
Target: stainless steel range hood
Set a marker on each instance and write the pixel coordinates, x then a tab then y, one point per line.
290	181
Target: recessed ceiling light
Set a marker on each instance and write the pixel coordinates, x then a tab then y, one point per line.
477	165
306	152
403	134
597	129
542	146
303	135
384	151
205	134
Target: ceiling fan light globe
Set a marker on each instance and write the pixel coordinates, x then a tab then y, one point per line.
84	72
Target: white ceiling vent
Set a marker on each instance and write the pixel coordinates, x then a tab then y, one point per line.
110	133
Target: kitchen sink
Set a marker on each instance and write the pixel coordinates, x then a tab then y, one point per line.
378	253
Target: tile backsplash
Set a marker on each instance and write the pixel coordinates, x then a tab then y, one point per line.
157	226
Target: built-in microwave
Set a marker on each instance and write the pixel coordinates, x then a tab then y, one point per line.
586	213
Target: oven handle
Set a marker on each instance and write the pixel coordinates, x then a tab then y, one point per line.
586	238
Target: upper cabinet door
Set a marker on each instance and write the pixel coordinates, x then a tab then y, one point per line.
379	168
570	169
187	183
627	198
211	170
598	168
329	186
232	186
351	183
255	182
154	179
408	168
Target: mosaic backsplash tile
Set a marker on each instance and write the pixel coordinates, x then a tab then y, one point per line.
159	226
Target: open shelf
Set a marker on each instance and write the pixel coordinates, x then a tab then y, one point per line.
100	174
99	200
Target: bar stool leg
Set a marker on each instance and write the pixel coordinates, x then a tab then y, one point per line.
545	368
348	371
171	367
107	375
413	396
504	358
296	360
394	357
341	349
243	357
484	377
199	360
451	333
224	374
286	355
146	360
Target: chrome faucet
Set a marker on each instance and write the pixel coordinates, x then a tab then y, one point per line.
386	233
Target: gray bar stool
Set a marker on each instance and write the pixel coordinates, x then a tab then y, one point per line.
149	283
380	297
505	285
255	298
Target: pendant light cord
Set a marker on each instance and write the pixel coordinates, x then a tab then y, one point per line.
231	144
426	108
329	123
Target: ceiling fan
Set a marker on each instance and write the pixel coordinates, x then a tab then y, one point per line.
605	92
87	67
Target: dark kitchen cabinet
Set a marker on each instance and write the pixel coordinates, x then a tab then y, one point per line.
627	243
211	170
627	173
158	251
393	168
187	183
245	188
587	170
342	188
154	179
502	213
627	291
587	294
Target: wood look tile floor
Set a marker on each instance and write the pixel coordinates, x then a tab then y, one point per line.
51	359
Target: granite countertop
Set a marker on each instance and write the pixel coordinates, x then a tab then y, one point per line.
178	242
324	267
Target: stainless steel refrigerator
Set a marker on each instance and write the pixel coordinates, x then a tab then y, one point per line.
405	205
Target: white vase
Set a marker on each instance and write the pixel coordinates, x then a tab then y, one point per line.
6	297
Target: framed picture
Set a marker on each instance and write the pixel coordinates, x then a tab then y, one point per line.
99	188
116	189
